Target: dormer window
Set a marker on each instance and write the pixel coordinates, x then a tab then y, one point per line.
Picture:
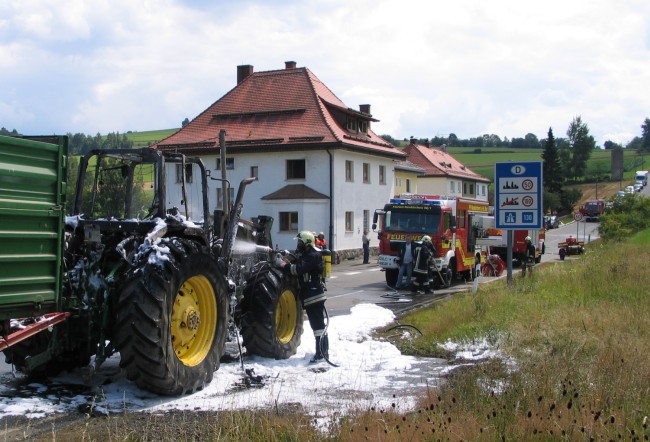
363	126
352	124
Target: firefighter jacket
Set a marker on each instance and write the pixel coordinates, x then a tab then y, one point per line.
423	254
309	269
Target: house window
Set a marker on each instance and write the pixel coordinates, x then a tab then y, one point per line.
230	163
349	221
349	171
398	182
288	221
382	175
408	185
352	124
471	189
363	127
366	219
366	173
452	187
295	169
231	197
254	172
179	173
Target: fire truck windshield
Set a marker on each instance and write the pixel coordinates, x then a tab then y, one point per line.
409	221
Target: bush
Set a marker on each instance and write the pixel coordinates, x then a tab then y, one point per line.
627	216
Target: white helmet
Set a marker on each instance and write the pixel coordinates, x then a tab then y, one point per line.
527	238
426	238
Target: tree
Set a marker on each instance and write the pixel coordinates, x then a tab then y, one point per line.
531	141
645	135
581	144
390	139
609	145
552	176
185	122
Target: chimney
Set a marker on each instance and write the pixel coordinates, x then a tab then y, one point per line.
289	64
365	108
244	71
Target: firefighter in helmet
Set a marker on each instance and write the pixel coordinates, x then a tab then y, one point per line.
422	256
529	257
309	269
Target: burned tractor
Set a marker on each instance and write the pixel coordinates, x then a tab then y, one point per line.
122	272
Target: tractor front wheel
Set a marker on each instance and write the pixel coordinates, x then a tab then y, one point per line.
270	315
172	317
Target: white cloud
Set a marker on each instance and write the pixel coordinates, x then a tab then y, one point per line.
427	68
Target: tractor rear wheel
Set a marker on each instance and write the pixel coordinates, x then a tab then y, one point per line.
172	318
270	315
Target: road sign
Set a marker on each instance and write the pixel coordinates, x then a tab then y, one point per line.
577	217
518	195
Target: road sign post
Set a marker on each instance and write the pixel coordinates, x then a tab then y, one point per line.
518	199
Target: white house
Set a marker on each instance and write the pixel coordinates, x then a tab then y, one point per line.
319	165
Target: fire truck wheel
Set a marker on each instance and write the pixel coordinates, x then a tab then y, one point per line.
172	318
270	315
391	277
562	254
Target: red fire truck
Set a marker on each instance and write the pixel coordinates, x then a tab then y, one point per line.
449	221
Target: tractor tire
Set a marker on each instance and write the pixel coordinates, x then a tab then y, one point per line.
172	320
391	277
270	315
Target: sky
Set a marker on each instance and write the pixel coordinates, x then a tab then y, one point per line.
427	68
370	373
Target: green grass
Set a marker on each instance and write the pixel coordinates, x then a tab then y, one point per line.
576	335
146	138
483	163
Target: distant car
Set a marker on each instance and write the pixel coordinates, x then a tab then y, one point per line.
551	222
638	187
620	194
629	189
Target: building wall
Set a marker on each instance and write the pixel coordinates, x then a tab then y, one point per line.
400	182
355	196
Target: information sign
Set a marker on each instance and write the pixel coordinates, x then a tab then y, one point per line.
518	195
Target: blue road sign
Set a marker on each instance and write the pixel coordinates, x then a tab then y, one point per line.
518	195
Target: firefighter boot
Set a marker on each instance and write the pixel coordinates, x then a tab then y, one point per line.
322	348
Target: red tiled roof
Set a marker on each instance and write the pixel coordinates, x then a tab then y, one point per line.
281	109
436	162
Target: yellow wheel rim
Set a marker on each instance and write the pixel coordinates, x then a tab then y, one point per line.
194	320
286	316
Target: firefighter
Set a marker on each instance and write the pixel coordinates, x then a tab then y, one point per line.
423	254
529	257
309	269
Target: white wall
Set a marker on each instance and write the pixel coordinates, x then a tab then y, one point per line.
313	215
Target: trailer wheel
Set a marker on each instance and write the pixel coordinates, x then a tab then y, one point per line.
562	254
172	319
270	315
391	277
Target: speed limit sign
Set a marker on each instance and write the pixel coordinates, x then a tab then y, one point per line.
577	216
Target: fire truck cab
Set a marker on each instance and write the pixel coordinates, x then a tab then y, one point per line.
449	221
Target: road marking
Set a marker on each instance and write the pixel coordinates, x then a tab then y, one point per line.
351	273
346	294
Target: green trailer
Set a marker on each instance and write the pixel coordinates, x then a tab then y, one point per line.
33	174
